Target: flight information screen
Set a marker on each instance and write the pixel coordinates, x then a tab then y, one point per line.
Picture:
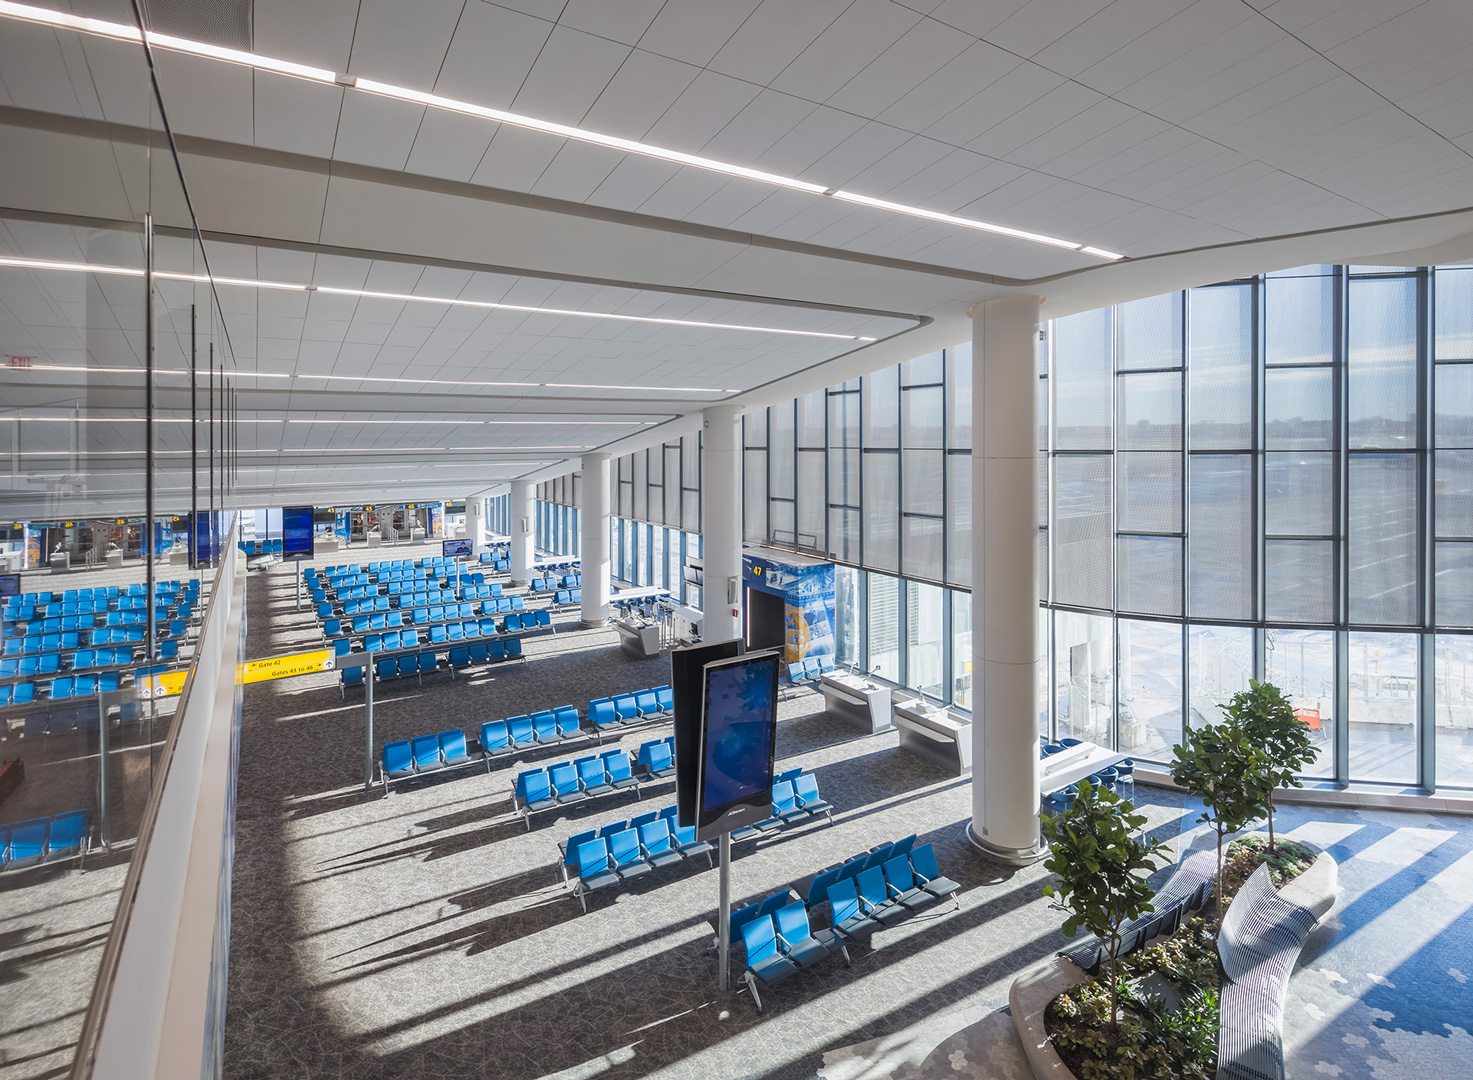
741	703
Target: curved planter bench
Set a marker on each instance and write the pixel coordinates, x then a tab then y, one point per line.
1028	998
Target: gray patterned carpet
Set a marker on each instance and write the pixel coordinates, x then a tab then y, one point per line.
427	933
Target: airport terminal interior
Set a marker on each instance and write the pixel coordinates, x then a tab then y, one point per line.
828	540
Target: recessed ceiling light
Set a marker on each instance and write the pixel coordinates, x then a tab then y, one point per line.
531	123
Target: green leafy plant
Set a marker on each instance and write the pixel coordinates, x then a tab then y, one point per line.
1223	765
1101	868
1266	716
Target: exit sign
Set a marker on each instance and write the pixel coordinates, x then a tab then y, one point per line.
20	361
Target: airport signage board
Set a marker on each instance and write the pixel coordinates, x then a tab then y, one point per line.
284	667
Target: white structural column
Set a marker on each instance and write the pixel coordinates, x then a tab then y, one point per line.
475	522
523	536
594	553
1004	579
721	525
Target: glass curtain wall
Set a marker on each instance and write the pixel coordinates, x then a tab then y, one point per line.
118	472
1285	465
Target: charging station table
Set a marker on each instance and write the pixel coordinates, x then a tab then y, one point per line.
1069	766
640	640
856	700
938	736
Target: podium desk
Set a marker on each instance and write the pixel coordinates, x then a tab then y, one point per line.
856	700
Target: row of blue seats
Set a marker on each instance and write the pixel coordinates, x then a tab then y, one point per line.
423	663
567	596
101	592
35	644
629	709
42	664
565	782
45	840
423	755
624	850
260	547
468	609
58	624
457	631
60	688
795	799
809	669
500	738
114	633
547	584
495	560
872	891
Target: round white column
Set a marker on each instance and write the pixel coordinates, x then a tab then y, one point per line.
594	552
475	523
721	523
523	535
1005	650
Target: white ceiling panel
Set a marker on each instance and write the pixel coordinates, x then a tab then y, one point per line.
923	50
773	36
1106	32
490	55
403	43
1041	23
294	115
950	88
845	47
376	131
624	22
571	71
694	31
319	33
449	145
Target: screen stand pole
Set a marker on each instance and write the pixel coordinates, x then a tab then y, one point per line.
367	725
723	915
299	586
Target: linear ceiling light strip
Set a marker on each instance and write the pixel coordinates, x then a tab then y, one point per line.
531	123
371	294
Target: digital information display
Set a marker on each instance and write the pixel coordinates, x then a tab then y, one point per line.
296	531
9	584
456	549
737	736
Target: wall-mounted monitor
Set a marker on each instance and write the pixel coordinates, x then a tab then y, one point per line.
9	584
456	549
738	743
296	532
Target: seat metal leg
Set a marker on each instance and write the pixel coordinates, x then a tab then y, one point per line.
752	986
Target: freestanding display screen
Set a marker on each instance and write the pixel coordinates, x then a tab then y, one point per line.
456	549
738	743
9	584
296	531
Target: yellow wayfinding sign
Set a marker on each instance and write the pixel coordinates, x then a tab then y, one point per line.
164	684
281	667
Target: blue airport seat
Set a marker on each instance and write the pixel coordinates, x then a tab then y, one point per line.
568	724
514	649
657	845
625	708
544	726
566	787
495	742
903	887
28	842
521	731
805	788
591	774
426	750
618	770
397	761
765	963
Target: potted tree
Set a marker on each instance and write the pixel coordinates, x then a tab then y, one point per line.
1282	738
1222	765
1102	869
